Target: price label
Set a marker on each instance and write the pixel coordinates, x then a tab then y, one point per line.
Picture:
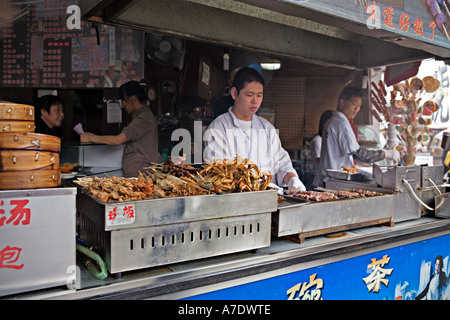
120	214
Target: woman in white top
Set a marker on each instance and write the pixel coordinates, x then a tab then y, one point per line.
316	143
240	132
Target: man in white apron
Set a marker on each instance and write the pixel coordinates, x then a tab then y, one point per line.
240	132
339	143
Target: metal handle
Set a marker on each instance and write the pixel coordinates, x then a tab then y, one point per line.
415	196
434	185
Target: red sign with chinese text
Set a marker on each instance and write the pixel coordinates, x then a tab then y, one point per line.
13	213
120	214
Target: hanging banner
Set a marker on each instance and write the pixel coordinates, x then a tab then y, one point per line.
416	271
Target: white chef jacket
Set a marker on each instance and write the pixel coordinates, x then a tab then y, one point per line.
338	144
225	139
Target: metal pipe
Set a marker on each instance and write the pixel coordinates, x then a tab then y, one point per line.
93	269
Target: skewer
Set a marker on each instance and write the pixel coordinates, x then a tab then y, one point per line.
439	17
401	139
376	115
324	189
445	31
446	8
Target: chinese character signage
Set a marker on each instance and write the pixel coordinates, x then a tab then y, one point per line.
40	48
378	274
37	239
424	20
119	214
311	290
13	213
418	271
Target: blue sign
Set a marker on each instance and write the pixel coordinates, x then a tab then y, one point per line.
416	271
427	21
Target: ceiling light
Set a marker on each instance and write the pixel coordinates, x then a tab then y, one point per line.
271	66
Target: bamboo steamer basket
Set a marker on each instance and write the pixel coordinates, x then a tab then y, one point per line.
30	179
14	111
29	141
16	126
16	117
19	160
28	160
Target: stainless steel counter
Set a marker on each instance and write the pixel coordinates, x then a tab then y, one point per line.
185	279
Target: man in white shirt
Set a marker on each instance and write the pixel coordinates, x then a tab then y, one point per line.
240	132
339	144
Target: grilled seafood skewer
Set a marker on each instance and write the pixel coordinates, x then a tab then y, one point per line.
239	175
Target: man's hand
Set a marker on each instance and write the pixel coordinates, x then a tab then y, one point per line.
296	184
393	155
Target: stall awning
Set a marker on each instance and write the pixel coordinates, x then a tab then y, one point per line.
418	24
336	33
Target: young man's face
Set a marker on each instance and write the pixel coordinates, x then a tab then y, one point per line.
350	107
248	101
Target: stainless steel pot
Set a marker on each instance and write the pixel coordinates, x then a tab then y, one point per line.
445	144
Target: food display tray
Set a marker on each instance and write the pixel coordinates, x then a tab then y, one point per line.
302	220
342	175
406	206
172	230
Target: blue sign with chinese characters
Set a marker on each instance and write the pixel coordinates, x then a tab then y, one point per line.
425	20
415	271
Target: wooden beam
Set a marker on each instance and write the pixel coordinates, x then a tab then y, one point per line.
115	8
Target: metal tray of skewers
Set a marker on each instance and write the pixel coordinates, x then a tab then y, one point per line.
321	212
346	175
184	222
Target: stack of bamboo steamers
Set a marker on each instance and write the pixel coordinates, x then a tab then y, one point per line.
28	160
